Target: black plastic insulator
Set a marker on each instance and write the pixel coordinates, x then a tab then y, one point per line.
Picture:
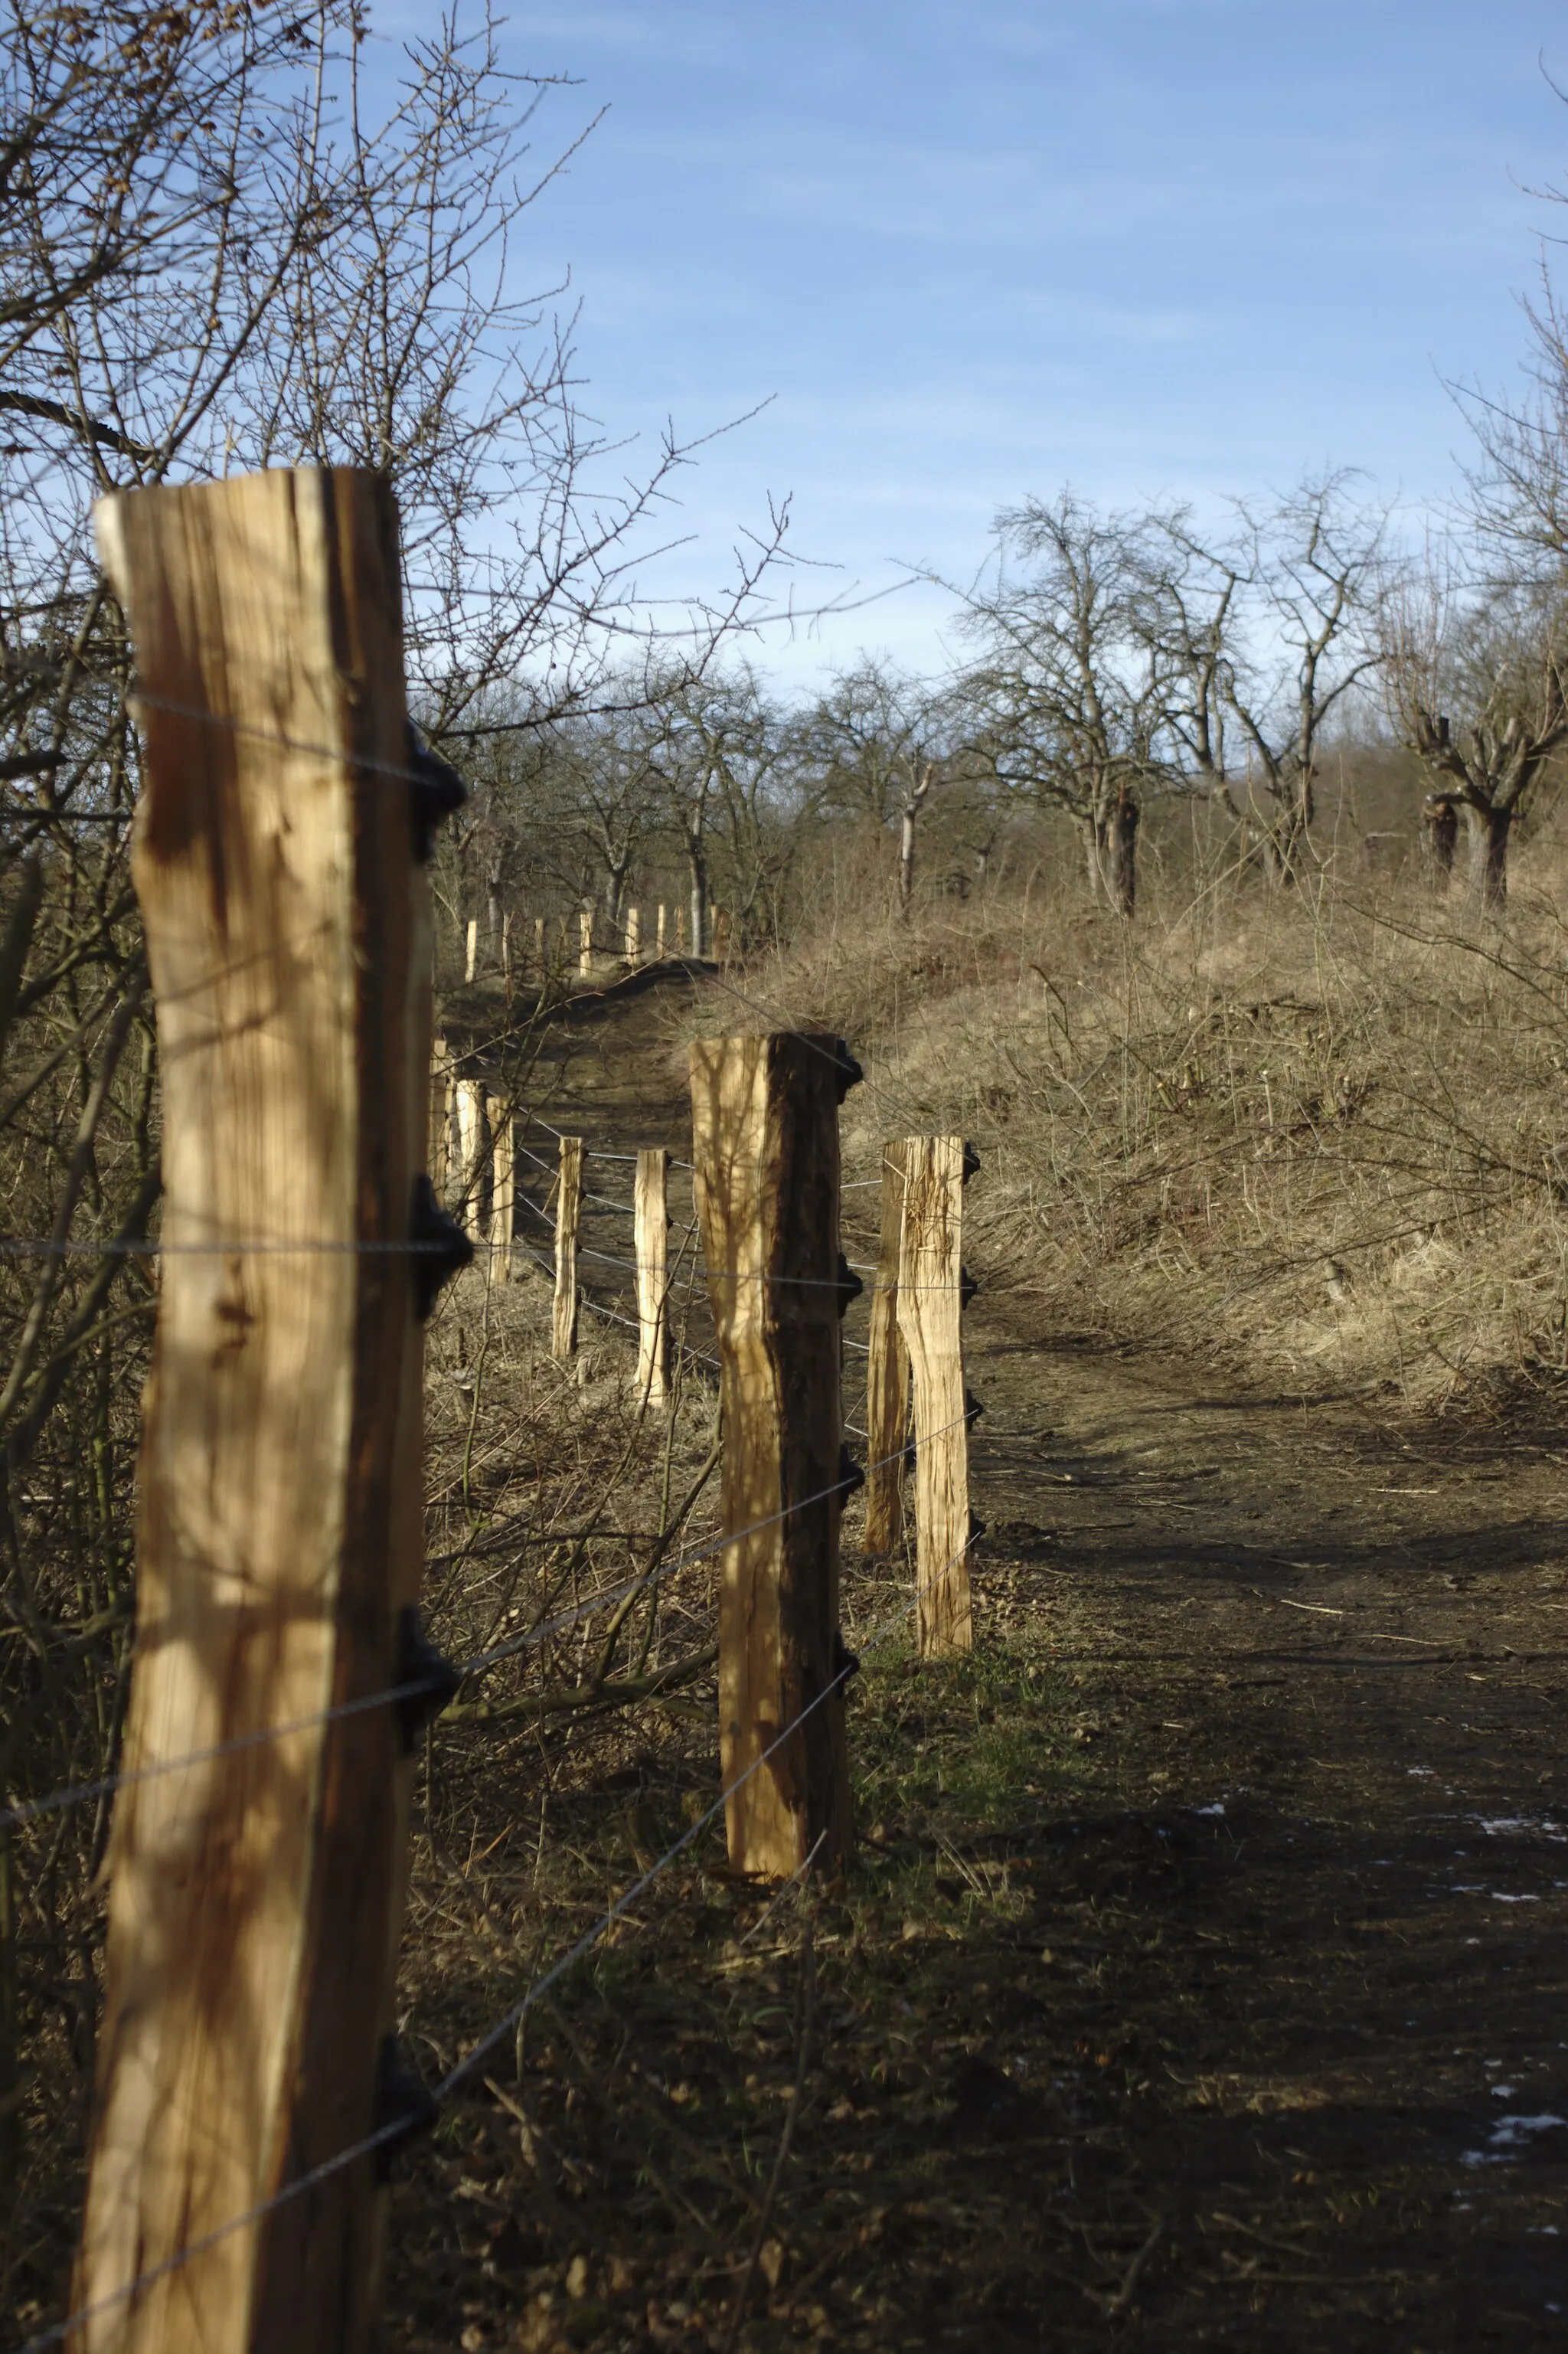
968	1287
973	1408
849	1284
972	1162
442	1249
436	793
404	2105
851	1476
846	1664
977	1528
850	1074
433	1680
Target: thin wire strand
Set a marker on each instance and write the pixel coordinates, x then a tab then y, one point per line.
479	1663
465	2066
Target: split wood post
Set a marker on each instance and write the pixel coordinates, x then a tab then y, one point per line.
633	935
659	949
585	940
680	931
539	945
502	1190
440	1114
255	1894
471	1147
651	1203
470	953
886	1370
766	1147
930	1316
568	1219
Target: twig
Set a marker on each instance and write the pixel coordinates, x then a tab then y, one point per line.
1122	2298
797	2091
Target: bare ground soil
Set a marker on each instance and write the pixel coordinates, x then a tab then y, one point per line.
1201	1980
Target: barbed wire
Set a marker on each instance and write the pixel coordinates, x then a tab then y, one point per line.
479	1663
507	2024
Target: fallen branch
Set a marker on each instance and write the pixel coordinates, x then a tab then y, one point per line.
586	1697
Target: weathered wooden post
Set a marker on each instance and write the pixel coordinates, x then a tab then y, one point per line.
254	1895
568	1218
503	1189
506	946
651	1202
680	931
585	941
540	960
658	950
930	1316
766	1148
440	1114
633	936
470	1147
886	1370
471	952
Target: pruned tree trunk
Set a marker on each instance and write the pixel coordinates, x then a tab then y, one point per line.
1439	832
1115	852
1487	831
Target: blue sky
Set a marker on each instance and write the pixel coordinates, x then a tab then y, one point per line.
1155	248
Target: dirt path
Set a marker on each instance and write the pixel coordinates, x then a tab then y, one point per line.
1302	1937
1202	1980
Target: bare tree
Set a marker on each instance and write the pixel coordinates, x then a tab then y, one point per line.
1477	684
1276	625
1068	705
879	741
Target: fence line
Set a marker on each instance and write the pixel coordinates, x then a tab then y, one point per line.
399	2129
464	1670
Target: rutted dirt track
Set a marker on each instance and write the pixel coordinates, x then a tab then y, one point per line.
1202	1980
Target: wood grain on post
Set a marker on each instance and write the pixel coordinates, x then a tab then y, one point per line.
471	1147
568	1220
886	1370
503	1189
255	1896
766	1148
585	941
539	956
440	1114
930	1316
651	1203
470	950
633	935
659	951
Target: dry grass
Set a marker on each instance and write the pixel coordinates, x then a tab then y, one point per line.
1318	1134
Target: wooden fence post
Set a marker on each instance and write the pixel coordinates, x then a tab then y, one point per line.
886	1370
506	946
440	1115
766	1148
539	957
470	950
680	931
633	936
585	941
471	1147
651	1203
502	1190
658	950
930	1316
568	1218
255	1896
